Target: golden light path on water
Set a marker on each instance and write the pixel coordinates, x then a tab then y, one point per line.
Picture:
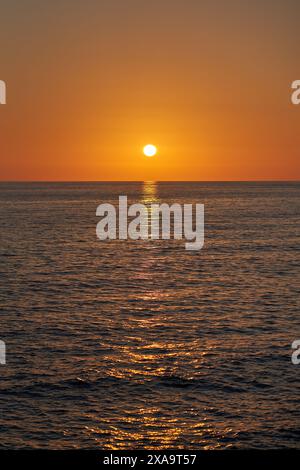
149	193
140	360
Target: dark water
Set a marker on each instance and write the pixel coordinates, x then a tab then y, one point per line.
132	344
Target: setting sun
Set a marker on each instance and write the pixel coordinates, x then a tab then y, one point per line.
150	150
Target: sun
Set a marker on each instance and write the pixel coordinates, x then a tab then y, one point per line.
150	150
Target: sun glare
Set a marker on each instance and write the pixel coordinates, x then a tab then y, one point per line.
149	150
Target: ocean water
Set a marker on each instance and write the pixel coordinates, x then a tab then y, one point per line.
142	344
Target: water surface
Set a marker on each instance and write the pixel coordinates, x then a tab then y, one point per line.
142	344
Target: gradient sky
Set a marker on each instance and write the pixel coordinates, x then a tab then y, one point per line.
90	82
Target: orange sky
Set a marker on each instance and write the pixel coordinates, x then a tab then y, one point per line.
89	83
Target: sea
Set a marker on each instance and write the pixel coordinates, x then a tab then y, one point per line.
142	344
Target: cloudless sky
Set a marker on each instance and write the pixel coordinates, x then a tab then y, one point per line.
89	83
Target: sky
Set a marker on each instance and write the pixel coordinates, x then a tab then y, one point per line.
89	83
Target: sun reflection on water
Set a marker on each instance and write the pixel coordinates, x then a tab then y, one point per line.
149	193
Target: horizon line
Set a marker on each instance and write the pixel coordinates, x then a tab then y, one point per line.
156	181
